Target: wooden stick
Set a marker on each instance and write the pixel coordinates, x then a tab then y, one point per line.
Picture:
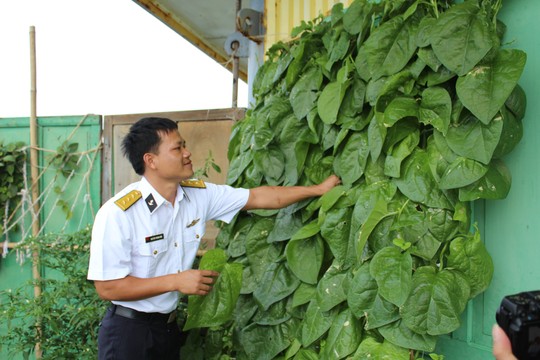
34	175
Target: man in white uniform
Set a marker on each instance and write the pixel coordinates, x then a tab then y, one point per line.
145	239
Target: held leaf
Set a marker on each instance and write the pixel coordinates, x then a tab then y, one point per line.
217	307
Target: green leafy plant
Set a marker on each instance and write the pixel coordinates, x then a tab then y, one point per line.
68	308
66	161
12	163
209	163
413	104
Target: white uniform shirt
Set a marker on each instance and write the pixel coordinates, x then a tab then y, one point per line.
153	238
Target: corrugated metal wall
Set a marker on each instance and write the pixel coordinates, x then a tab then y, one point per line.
281	16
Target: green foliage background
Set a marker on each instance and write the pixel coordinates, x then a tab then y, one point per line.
412	104
69	309
12	160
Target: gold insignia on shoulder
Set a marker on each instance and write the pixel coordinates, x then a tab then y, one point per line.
129	199
193	183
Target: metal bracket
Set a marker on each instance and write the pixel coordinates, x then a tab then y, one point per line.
250	23
239	42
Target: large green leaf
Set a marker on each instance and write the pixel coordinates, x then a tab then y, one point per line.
399	108
418	183
335	230
357	17
305	257
474	140
237	243
315	323
391	46
260	253
304	94
350	163
277	313
392	270
486	87
287	223
376	137
343	337
304	294
462	172
396	155
437	300
469	255
216	307
494	185
271	163
517	102
511	135
238	165
254	339
339	49
329	199
353	102
399	334
330	100
436	108
364	300
332	288
462	36
276	283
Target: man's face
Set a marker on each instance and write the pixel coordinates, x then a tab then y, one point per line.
172	160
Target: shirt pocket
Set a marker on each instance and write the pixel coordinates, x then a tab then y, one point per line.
149	256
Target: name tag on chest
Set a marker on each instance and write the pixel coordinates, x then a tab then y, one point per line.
152	238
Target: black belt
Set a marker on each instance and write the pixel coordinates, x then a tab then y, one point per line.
139	315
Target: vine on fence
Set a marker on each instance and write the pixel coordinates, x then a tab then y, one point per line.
12	162
69	307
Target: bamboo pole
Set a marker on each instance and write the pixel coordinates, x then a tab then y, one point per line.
34	175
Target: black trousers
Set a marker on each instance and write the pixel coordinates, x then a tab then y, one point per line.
121	338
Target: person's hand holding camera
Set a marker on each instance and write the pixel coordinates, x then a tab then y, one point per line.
502	349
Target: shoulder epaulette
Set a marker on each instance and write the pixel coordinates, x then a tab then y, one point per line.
129	199
193	183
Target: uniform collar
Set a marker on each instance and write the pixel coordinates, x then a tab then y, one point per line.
152	199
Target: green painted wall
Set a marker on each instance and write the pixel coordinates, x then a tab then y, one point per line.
510	227
52	132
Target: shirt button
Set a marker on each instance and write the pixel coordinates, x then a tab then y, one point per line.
197	236
175	244
155	252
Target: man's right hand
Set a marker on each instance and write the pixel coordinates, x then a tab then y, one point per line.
195	282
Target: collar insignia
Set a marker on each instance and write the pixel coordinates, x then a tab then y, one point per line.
150	202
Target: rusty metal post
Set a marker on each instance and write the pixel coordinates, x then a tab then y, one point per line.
236	59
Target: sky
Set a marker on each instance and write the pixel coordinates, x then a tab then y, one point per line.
103	57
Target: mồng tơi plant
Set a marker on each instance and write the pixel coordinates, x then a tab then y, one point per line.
413	104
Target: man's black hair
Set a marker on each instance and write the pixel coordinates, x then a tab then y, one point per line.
144	137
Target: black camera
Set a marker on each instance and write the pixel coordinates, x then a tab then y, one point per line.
519	317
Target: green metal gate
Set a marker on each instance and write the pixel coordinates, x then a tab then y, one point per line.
69	201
